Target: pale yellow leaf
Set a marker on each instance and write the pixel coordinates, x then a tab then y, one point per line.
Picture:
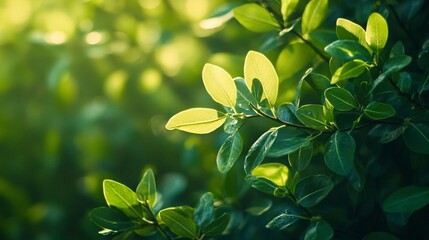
219	85
196	120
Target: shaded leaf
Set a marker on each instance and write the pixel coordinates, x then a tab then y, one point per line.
311	115
287	8
407	199
340	152
255	18
219	85
259	206
196	120
261	184
378	111
217	226
340	99
348	50
179	222
259	149
311	190
204	211
313	16
229	152
283	221
320	230
379	235
146	190
416	137
275	172
300	158
112	219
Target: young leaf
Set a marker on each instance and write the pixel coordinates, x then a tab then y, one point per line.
311	190
217	226
320	230
300	158
348	50
229	152
349	70
259	149
348	30
275	172
255	18
146	190
379	235
299	86
287	8
340	99
196	120
313	16
112	219
340	153
123	198
378	111
416	137
377	32
318	81
407	199
257	66
219	85
179	222
283	221
204	211
311	115
261	184
244	95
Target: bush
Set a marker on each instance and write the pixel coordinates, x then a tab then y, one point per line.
346	157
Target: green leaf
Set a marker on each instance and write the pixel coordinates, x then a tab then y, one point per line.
340	153
288	140
407	199
217	226
393	65
416	137
377	32
112	219
311	115
146	190
275	172
300	158
349	70
286	113
288	7
348	30
385	133
311	190
259	149
196	120
244	95
340	99
378	111
318	81
283	221
423	59
320	230
299	86
348	50
123	198
204	210
255	18
313	16
261	184
179	222
404	82
219	85
379	235
257	66
229	152
259	206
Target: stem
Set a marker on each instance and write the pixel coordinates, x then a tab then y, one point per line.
312	46
155	221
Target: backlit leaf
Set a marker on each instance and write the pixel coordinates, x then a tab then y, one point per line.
416	137
146	190
179	222
339	155
275	172
407	199
379	235
320	230
311	115
313	15
196	120
255	18
219	85
217	226
349	30
283	221
377	32
244	95
349	70
300	158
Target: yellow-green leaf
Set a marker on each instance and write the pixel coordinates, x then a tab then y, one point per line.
376	32
197	120
347	29
313	15
219	85
275	172
256	65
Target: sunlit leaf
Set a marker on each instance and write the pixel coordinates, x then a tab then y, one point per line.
347	29
146	190
349	70
255	18
257	66
377	111
407	199
196	120
287	8
340	99
219	85
392	65
340	151
259	150
229	152
377	32
275	172
311	115
320	230
416	137
204	211
311	190
313	15
179	221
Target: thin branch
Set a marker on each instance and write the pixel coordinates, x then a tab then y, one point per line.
311	45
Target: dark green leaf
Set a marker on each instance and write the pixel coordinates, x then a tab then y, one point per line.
340	99
349	70
204	211
283	221
277	173
320	230
312	116
244	96
385	133
416	137
379	235
217	226
229	152
299	86
407	199
232	124
318	81
340	153
261	184
404	82
357	176
313	15
348	50
288	140
287	8
378	111
300	158
255	18
286	113
179	222
146	190
259	149
334	64
397	50
311	190
112	219
259	206
393	65
257	90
